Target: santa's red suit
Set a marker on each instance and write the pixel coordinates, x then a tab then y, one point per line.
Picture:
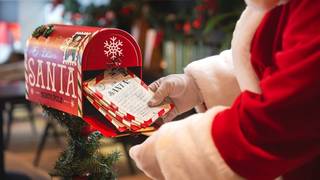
263	101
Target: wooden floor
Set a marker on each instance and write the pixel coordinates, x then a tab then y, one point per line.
23	144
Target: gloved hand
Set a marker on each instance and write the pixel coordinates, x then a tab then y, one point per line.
182	91
183	150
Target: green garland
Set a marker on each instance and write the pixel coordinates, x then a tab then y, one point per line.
81	158
43	30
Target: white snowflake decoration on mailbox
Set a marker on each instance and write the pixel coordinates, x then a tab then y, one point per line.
113	49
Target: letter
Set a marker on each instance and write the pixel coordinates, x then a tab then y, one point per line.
61	66
115	89
31	76
40	74
121	85
71	81
126	81
51	76
26	71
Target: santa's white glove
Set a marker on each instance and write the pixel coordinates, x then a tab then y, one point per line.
181	89
183	150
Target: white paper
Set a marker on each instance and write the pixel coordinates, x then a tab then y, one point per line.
128	95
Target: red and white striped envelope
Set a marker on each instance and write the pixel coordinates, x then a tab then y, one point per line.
119	116
122	98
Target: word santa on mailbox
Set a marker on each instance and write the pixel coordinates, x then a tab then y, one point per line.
55	66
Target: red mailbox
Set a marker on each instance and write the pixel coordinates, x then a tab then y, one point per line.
55	66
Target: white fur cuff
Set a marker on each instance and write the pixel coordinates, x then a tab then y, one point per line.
215	78
185	150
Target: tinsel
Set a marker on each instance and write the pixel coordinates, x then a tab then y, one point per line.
81	158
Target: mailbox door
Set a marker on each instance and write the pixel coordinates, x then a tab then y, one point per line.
111	48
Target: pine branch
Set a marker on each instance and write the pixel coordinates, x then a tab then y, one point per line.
82	157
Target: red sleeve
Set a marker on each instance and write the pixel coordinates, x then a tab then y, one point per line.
264	136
